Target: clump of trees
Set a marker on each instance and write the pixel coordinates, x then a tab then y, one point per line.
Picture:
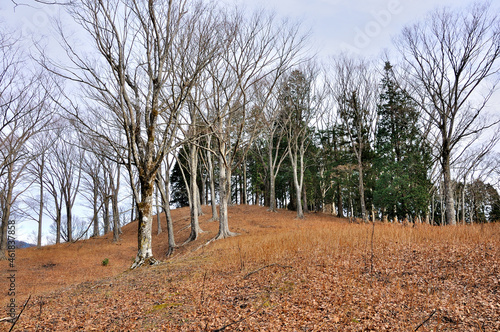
187	103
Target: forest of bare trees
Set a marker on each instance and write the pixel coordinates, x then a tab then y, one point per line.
184	103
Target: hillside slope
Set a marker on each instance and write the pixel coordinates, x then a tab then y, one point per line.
279	274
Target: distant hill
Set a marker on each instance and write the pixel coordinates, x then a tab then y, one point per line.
22	244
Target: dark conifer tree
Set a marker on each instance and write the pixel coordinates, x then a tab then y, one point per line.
403	157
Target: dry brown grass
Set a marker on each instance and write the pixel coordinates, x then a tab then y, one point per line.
279	274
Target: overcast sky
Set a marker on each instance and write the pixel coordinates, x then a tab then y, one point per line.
360	26
365	27
357	26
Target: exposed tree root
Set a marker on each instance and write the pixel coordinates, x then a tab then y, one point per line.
170	251
144	261
225	235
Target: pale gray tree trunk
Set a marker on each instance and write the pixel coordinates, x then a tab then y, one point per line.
158	219
244	188
224	194
40	208
297	161
163	186
272	179
95	208
195	197
105	214
362	189
115	187
213	200
144	232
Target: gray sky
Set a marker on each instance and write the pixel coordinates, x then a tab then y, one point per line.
364	27
360	26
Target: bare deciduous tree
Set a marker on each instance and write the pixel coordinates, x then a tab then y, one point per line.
301	102
254	48
150	55
355	90
24	111
452	60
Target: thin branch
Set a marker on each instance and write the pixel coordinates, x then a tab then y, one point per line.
18	316
425	321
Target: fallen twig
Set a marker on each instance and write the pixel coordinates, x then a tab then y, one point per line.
262	268
425	321
18	316
203	288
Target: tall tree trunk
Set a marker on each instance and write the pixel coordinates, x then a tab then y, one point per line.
441	195
144	225
433	207
95	216
203	189
272	178
224	195
298	190
116	217
158	219
340	209
105	212
132	209
272	190
200	193
448	188
296	181
463	203
362	189
193	187
6	210
58	225
304	199
40	209
245	197
163	187
69	221
213	200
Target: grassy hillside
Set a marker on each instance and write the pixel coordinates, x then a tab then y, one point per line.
279	274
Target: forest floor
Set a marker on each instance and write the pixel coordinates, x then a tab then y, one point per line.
278	274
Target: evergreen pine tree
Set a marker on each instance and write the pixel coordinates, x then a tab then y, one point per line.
403	157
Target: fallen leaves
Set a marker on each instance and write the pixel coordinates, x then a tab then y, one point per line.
423	278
